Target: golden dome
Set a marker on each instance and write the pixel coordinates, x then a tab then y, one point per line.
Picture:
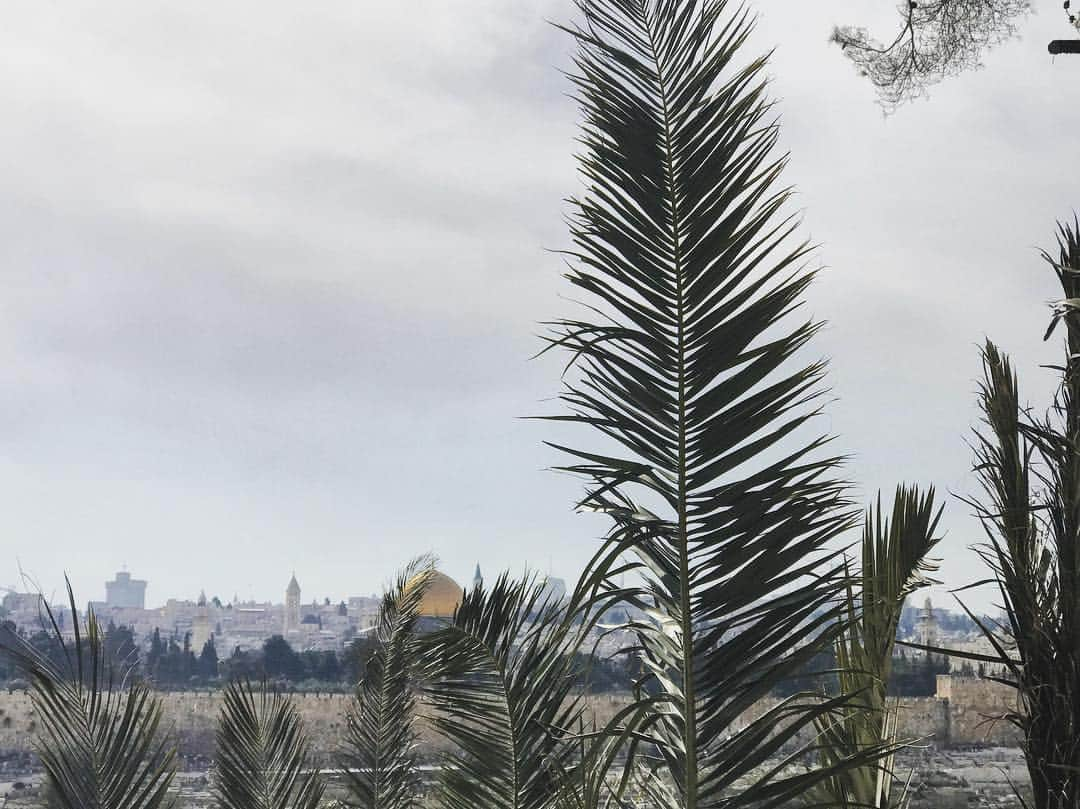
442	597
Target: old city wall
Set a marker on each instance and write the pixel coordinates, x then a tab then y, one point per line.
193	717
975	708
960	714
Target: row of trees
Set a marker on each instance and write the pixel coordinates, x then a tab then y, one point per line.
173	663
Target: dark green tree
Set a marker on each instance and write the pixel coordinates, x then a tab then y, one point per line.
329	668
120	646
244	665
208	661
354	662
279	659
157	650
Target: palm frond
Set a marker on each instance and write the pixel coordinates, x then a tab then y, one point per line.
500	679
263	759
379	754
682	245
895	564
1030	472
100	741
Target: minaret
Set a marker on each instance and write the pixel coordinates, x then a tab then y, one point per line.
200	625
477	579
926	626
292	606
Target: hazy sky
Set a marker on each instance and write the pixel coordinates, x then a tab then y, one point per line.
271	276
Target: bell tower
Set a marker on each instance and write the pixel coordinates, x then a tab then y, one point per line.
292	606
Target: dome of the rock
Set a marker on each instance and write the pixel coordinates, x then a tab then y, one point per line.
442	597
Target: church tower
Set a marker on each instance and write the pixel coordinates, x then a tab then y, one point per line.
292	606
477	579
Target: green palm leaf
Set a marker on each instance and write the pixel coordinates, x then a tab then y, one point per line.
1030	472
894	565
682	247
501	681
379	753
100	740
263	753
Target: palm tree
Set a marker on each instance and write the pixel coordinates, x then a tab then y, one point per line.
894	565
263	751
100	740
684	362
379	753
500	684
1030	473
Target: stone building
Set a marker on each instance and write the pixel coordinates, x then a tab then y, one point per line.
926	630
201	631
292	608
124	591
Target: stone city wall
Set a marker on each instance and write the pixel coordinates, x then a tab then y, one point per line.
961	714
975	711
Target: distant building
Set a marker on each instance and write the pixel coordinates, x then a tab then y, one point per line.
292	607
478	578
442	597
554	590
125	591
200	625
25	609
926	626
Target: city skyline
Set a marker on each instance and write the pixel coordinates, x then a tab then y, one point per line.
226	597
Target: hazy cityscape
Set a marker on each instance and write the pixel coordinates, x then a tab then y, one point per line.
232	626
315	649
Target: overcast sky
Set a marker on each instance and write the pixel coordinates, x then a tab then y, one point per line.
271	275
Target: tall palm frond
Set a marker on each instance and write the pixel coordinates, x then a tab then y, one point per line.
895	564
1030	473
100	741
682	245
263	759
500	678
379	754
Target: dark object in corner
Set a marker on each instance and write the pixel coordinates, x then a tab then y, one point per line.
1064	46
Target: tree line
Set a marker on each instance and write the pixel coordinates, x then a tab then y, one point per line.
171	663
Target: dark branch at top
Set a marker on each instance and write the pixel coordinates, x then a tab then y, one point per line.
936	40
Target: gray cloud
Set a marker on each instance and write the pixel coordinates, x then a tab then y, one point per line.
271	277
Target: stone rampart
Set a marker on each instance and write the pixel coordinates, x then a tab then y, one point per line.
962	713
976	708
192	716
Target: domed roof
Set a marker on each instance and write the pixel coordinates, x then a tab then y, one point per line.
442	597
